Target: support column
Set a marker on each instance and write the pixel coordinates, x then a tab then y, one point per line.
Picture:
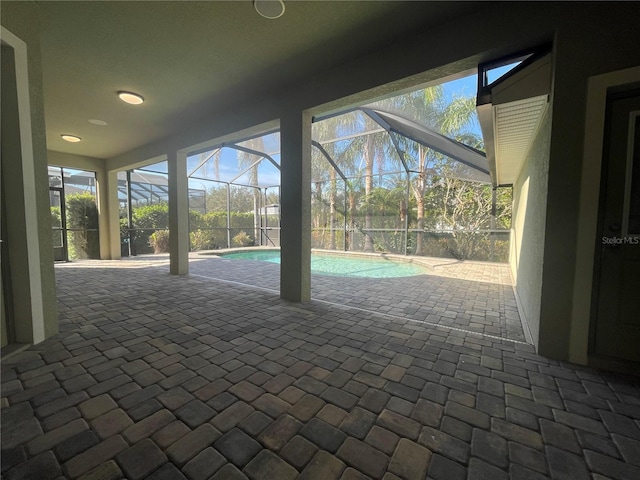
178	213
26	268
295	198
102	201
113	217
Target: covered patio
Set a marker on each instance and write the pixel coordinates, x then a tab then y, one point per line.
182	366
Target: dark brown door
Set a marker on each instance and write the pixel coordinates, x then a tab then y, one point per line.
617	322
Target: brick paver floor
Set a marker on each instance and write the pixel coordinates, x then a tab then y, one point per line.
161	377
473	296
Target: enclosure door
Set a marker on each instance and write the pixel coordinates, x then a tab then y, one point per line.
617	323
59	225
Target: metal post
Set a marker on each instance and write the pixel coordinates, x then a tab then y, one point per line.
258	221
63	218
406	215
493	223
266	217
279	214
228	217
130	215
189	215
346	206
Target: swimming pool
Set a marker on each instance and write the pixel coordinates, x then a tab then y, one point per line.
342	265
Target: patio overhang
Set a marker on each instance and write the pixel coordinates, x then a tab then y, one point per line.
510	111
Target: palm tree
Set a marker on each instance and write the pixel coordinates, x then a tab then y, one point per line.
429	107
319	178
344	152
323	173
374	148
423	106
250	162
370	153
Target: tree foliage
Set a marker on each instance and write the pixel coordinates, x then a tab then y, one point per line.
240	198
450	214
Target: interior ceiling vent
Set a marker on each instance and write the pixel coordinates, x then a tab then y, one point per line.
516	124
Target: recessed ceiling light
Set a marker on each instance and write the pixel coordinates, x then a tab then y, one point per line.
270	9
94	121
132	98
70	138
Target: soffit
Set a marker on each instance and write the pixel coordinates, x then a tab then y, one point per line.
188	58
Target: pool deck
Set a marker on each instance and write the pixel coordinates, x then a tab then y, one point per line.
162	377
472	296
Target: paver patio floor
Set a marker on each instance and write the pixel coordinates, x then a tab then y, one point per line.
473	296
163	377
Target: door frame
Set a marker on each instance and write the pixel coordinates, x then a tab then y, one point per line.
28	330
63	221
598	87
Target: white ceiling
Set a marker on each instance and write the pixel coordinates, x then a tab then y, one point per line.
188	58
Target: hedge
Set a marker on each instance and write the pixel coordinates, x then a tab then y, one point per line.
82	226
207	231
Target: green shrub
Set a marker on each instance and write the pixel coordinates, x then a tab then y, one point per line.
241	239
82	221
159	240
196	220
146	220
204	239
209	231
55	217
55	223
151	216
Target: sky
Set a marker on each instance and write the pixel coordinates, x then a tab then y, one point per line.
467	86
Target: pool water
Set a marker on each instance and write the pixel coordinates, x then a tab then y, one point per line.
342	265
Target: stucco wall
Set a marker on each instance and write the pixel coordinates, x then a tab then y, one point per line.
599	38
21	19
527	228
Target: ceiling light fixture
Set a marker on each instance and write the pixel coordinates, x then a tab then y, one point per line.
130	97
270	9
70	138
94	121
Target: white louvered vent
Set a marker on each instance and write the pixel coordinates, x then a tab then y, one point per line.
516	124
